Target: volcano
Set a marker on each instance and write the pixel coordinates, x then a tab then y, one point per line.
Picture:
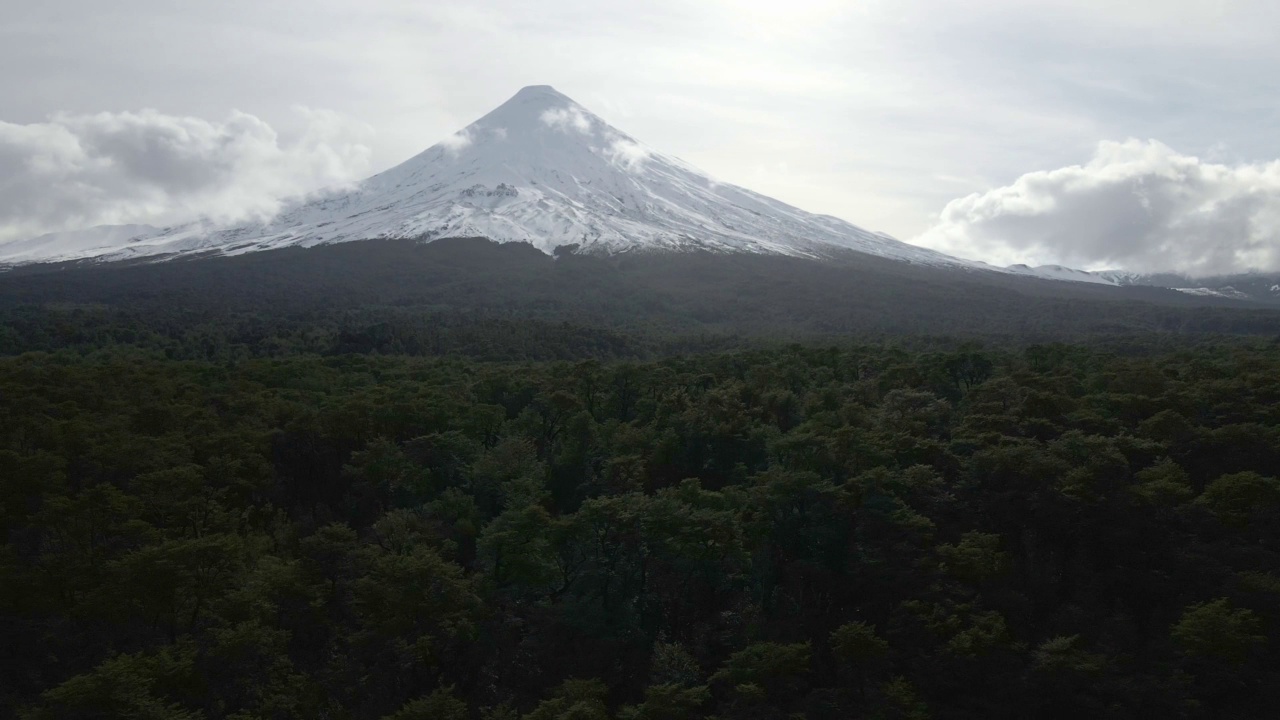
541	169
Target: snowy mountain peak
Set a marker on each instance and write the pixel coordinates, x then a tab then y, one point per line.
538	137
536	90
537	107
539	168
533	112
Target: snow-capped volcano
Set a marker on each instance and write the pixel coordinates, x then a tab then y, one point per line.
541	169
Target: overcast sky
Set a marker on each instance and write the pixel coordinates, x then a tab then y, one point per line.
1121	133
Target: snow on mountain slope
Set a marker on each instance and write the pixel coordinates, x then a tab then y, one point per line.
1059	272
540	168
1123	277
1225	292
72	243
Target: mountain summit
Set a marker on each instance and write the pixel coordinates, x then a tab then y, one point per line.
540	168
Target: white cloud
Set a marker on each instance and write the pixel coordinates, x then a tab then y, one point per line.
569	118
75	171
1135	205
457	142
627	154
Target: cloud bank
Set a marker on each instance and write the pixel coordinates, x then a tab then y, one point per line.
76	171
1136	205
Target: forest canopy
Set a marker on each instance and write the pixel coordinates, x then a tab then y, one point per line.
1055	531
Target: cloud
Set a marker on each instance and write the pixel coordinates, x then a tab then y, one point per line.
457	142
76	171
569	118
1136	205
627	154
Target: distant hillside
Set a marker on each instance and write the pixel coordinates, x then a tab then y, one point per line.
410	288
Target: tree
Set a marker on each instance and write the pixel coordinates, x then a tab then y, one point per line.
439	705
413	603
1164	483
1235	499
138	686
672	664
1066	680
976	558
669	702
776	668
1214	630
574	700
899	700
857	645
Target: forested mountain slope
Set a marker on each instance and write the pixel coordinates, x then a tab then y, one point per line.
405	297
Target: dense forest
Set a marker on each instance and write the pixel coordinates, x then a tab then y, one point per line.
801	531
468	483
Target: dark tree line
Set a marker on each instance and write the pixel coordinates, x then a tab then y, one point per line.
456	296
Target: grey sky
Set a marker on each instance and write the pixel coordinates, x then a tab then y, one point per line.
879	112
